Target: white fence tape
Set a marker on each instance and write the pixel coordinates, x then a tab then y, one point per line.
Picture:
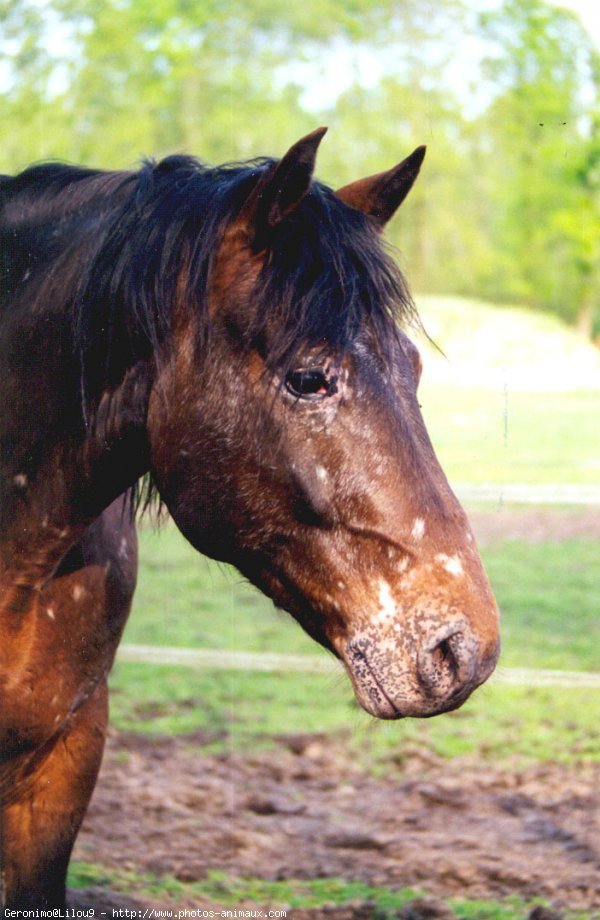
222	659
226	660
520	493
523	493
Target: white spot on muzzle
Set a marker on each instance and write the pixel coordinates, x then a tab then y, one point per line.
418	529
50	613
387	604
321	473
78	593
451	564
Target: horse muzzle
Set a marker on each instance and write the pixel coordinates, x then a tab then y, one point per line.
418	676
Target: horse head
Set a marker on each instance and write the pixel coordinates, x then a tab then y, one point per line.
286	437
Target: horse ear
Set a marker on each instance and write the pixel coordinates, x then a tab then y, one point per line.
381	195
284	186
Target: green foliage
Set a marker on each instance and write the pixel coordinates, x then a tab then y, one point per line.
543	154
509	205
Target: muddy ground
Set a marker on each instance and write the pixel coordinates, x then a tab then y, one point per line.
305	810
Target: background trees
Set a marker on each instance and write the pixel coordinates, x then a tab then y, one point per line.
507	103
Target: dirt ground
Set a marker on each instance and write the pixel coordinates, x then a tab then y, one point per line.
305	811
534	525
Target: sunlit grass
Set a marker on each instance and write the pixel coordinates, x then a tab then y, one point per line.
245	709
549	595
503	437
514	398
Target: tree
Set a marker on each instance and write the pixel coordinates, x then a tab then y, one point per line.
536	133
508	207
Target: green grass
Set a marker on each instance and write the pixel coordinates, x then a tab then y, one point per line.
184	599
493	405
249	710
487	345
226	891
503	437
549	595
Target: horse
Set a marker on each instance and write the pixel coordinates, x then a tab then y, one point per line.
229	342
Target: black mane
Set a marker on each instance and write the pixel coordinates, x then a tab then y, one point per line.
125	237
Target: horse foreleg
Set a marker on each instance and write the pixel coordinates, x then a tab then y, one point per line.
38	830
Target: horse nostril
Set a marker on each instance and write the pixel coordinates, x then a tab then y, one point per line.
442	668
444	656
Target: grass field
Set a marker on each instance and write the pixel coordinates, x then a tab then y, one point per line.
548	594
514	398
505	437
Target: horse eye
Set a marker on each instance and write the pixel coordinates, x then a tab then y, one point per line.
310	383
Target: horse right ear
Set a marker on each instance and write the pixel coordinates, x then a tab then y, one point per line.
381	195
281	190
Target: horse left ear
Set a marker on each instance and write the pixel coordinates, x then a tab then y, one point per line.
284	186
381	195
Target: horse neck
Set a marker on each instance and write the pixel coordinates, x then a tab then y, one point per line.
58	470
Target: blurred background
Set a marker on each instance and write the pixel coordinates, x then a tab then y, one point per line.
504	94
500	240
